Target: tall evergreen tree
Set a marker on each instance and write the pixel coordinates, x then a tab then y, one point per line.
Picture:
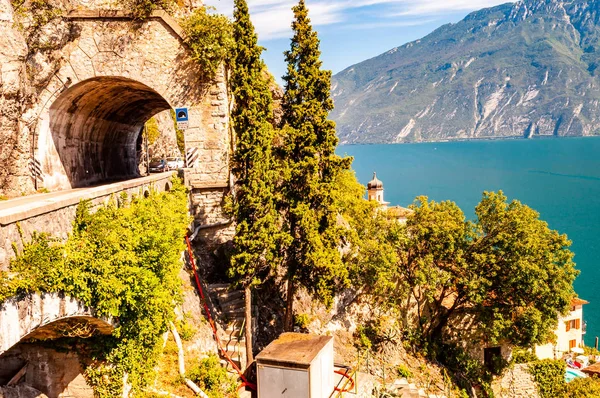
310	168
253	207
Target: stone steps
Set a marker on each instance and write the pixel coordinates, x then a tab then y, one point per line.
226	297
402	388
230	305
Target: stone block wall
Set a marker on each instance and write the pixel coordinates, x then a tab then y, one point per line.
206	206
149	62
516	382
54	373
208	139
58	219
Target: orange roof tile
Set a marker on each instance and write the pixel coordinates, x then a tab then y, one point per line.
577	301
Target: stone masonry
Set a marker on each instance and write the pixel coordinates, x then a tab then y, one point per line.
54	213
76	105
516	382
81	106
33	315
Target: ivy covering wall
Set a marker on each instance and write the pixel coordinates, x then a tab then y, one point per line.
123	260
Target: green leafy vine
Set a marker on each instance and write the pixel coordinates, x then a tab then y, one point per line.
123	261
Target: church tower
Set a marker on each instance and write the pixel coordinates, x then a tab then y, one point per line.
375	190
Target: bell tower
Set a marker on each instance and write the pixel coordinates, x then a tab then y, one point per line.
375	190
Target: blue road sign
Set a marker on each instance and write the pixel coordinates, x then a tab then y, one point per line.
181	114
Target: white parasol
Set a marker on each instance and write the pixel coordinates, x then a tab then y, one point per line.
577	350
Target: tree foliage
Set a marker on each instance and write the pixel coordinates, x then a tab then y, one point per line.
179	134
210	39
142	9
257	238
309	169
587	387
152	130
257	229
123	261
503	277
549	376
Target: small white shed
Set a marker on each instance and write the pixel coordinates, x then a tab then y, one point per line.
296	365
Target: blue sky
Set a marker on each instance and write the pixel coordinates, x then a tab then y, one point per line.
351	30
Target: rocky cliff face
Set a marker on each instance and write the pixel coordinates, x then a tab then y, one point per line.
515	70
13	97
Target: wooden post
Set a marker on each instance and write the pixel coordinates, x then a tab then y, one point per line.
596	344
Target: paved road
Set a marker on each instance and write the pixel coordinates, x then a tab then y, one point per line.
16	209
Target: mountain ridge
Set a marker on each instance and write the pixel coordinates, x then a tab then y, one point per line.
514	70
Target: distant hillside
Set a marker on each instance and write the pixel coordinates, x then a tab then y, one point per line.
522	69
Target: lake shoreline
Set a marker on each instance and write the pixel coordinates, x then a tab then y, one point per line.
445	141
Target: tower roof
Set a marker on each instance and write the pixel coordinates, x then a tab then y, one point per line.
375	183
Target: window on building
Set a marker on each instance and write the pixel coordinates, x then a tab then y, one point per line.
572	344
573	324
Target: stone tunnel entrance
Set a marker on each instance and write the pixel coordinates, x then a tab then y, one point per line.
95	126
49	359
35	328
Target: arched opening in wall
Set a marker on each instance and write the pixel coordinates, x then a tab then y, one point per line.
167	187
95	126
51	357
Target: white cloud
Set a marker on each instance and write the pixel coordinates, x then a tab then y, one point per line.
431	7
272	18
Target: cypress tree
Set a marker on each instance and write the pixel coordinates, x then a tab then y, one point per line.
310	169
255	242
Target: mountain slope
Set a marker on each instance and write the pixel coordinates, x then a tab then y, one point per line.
514	70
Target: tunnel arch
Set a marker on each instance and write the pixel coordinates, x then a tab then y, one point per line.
46	316
95	125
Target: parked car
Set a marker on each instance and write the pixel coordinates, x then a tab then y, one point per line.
174	163
158	166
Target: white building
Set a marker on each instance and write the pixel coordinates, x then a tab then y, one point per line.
569	333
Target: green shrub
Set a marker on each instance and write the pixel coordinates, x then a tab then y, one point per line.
186	330
363	337
549	376
583	388
302	320
210	376
404	371
142	9
522	355
590	351
123	262
210	37
466	370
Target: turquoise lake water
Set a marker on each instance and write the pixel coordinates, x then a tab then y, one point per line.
560	178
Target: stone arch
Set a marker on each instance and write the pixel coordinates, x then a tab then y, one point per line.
46	316
95	126
99	44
